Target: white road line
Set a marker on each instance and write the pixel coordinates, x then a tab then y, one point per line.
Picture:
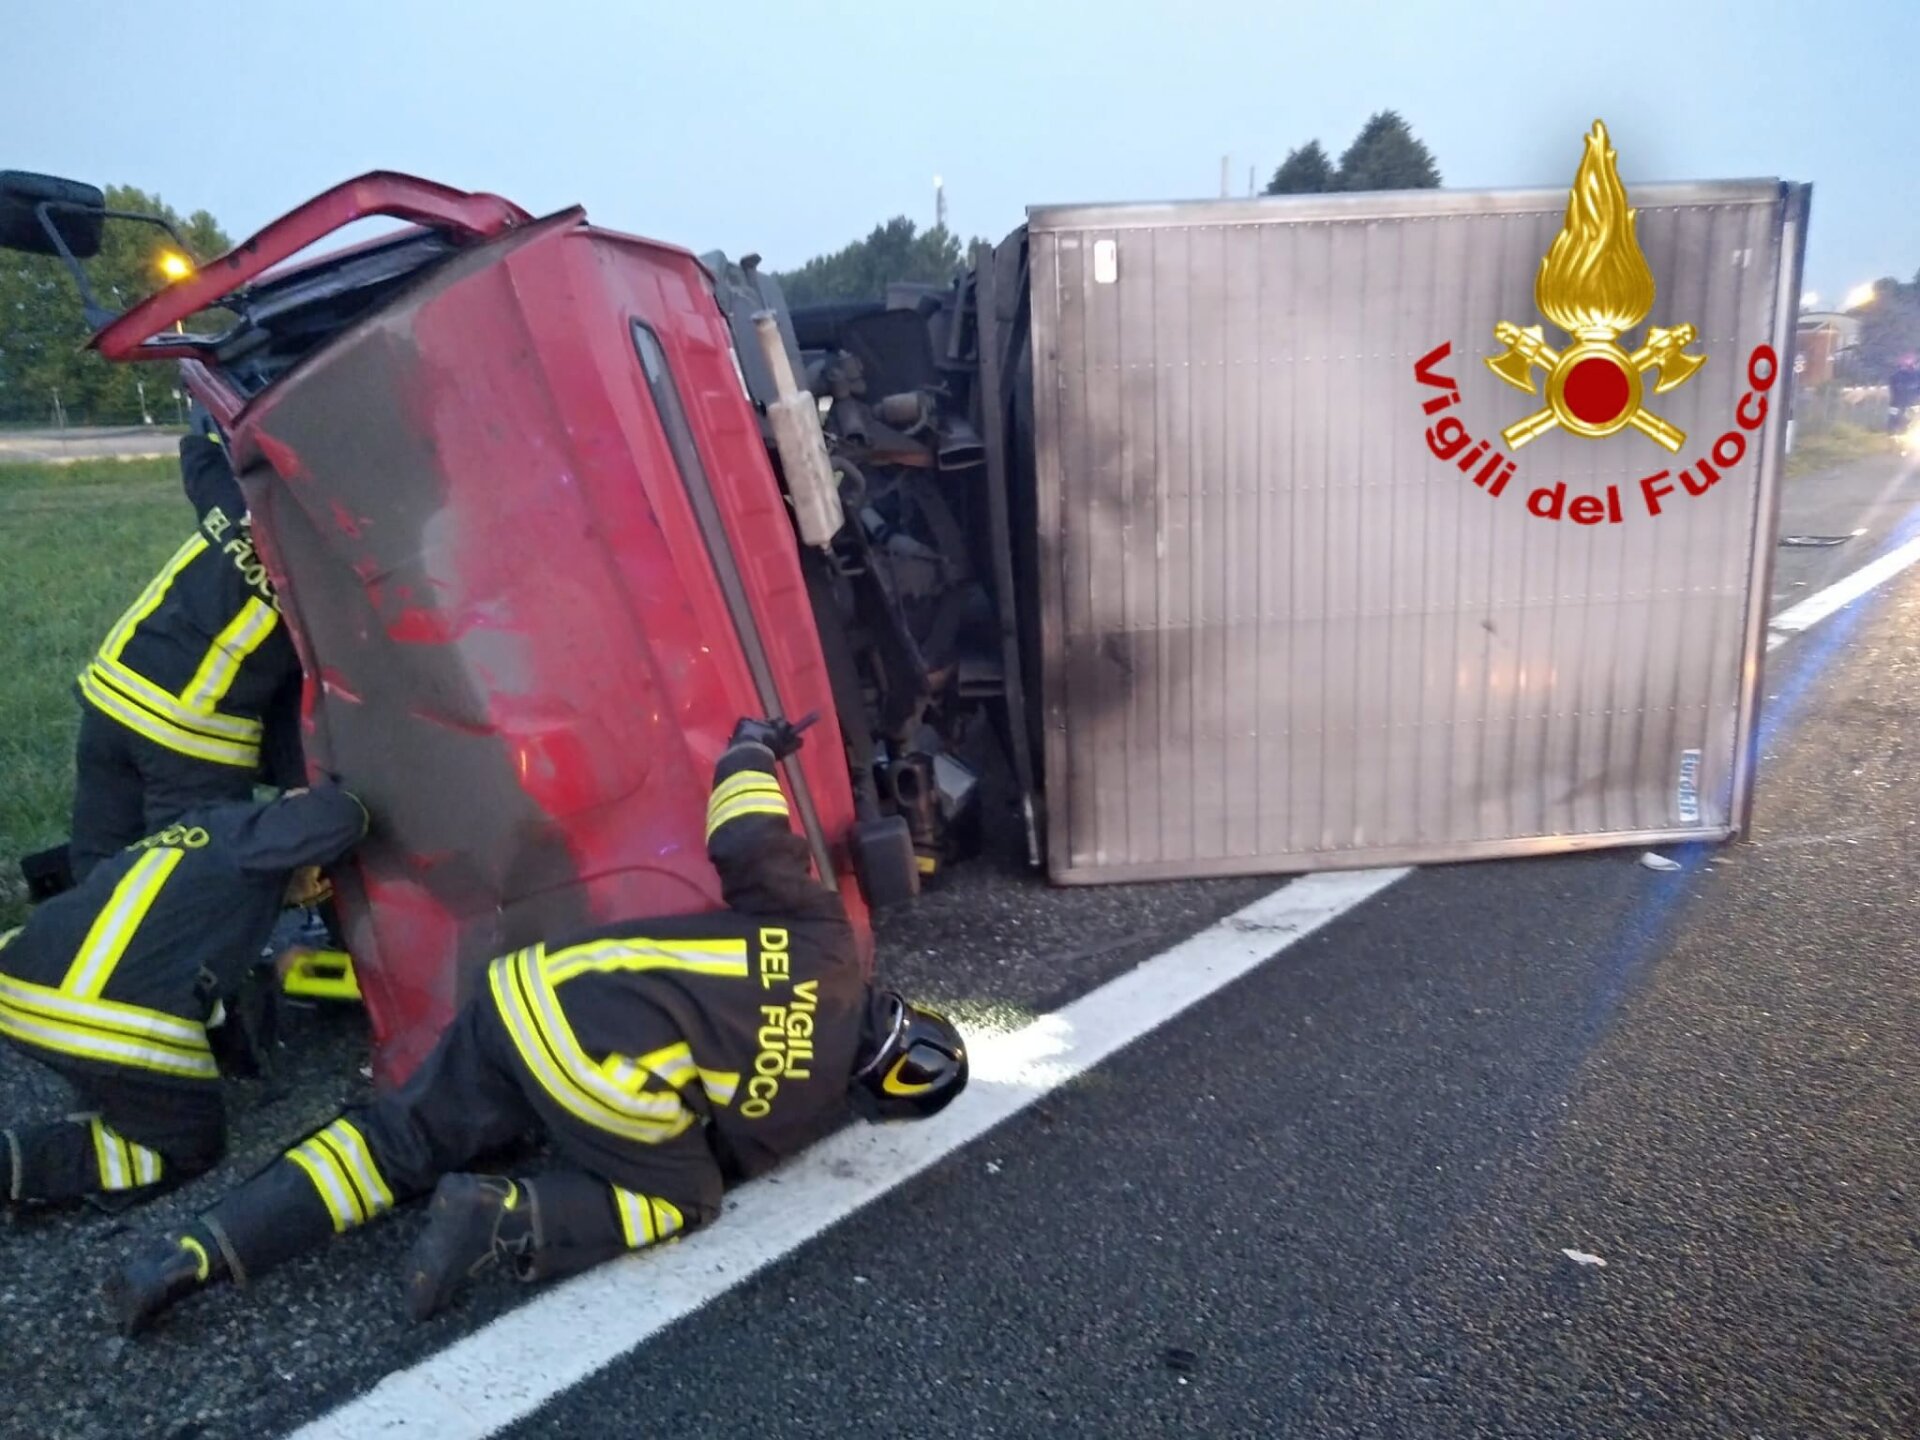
1843	592
523	1359
511	1367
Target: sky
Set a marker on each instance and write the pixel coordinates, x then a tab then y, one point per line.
789	129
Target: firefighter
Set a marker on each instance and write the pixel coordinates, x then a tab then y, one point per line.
114	984
174	702
1903	392
661	1058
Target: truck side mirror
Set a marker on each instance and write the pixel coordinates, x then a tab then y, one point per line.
77	212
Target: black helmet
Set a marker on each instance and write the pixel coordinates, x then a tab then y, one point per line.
920	1065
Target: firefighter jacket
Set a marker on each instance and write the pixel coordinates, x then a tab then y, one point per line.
744	1021
120	973
195	662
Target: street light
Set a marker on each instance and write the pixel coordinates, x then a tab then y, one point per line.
1860	295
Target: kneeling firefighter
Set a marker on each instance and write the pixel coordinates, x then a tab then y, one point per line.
114	985
661	1058
193	693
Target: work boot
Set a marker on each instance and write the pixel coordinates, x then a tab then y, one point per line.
474	1224
155	1281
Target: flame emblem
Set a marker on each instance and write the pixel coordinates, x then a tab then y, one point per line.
1595	285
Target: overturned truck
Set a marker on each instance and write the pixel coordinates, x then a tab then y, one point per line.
1205	522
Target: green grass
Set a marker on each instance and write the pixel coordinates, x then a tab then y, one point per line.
1839	445
77	544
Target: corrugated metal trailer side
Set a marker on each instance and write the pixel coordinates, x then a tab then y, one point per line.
1279	633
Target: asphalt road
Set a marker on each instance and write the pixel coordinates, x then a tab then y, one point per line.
1332	1200
90	442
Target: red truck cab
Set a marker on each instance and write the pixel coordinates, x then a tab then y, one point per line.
527	538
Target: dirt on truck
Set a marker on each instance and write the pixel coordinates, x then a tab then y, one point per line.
1156	512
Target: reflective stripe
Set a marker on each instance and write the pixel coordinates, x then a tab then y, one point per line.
103	1031
134	1021
150	597
753	803
557	1064
632	1076
192	711
229	651
162	732
134	687
351	1145
202	1266
565	1047
113	928
147	1164
110	1153
738	784
720	1085
106	1050
123	1164
673	1063
751	792
645	1220
6	938
330	1180
727	958
667	1220
636	1218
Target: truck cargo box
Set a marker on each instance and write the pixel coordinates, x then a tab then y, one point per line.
1281	630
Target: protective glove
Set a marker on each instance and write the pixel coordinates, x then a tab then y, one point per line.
200	422
782	737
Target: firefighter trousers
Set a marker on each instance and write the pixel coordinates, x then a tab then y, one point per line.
132	1138
471	1099
127	787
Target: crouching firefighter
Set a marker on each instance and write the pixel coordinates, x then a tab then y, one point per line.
176	701
662	1059
115	982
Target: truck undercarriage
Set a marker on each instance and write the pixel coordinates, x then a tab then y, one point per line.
918	597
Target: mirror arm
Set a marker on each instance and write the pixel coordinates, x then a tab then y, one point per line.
160	220
98	316
92	310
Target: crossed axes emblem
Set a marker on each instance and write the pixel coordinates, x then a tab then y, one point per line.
1607	386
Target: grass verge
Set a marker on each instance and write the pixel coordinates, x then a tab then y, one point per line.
1841	445
77	544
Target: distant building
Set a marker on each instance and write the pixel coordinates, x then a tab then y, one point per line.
1819	341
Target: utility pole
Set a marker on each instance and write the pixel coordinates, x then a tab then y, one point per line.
939	204
1250	182
1223	176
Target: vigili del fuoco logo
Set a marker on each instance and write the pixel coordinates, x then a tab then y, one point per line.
1596	286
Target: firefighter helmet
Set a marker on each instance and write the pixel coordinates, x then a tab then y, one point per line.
920	1065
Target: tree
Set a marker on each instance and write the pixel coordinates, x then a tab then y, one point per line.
1383	156
1386	156
1305	171
1889	330
893	253
42	329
